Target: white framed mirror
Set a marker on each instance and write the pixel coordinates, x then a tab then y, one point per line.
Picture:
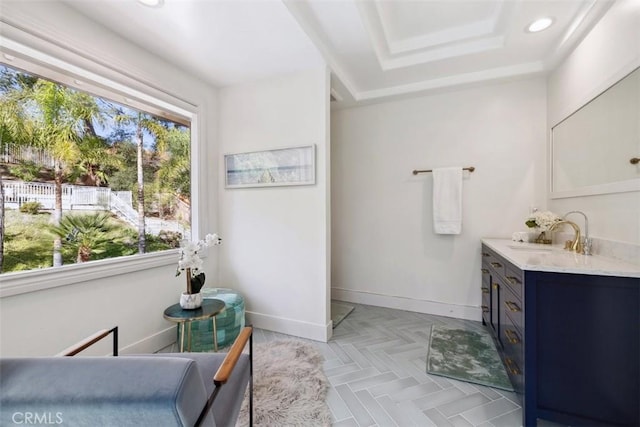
595	149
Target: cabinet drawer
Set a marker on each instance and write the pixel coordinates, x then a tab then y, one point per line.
486	312
512	341
512	307
513	348
514	279
493	261
485	288
516	374
486	274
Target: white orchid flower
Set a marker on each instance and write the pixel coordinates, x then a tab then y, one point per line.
189	258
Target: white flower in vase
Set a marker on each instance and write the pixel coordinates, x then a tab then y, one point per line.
191	263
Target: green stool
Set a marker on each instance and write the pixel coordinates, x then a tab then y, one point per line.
229	323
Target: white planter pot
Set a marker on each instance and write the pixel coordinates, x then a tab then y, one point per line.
190	301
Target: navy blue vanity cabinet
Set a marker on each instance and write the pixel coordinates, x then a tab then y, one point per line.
582	354
569	342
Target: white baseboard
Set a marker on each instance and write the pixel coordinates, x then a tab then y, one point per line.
312	331
409	304
152	343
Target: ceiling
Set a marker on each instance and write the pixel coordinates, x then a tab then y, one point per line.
376	49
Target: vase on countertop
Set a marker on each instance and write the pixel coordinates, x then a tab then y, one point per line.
545	237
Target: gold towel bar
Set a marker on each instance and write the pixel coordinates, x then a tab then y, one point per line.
416	172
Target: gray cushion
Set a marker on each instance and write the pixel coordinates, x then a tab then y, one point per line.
226	406
103	391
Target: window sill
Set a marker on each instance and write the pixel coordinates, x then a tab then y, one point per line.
36	280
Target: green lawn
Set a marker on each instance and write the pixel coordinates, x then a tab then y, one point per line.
28	244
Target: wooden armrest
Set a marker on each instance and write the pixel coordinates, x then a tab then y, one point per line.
230	360
89	341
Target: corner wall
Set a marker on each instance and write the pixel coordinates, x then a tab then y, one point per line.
609	52
385	251
276	240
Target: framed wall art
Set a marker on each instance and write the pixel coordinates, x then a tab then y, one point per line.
277	167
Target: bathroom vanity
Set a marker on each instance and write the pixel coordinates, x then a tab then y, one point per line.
567	327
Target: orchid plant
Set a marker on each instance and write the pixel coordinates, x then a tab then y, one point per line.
191	263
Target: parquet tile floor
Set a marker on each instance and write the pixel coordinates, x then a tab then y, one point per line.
376	366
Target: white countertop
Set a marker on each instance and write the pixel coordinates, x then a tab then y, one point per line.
553	258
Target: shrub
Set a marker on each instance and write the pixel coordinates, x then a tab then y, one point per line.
170	238
32	208
25	170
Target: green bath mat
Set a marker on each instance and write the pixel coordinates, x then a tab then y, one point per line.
466	355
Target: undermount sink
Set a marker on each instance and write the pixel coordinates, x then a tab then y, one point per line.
530	247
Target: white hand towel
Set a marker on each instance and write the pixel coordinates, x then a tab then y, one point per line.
447	200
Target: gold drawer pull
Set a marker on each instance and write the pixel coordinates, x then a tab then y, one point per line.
496	286
513	280
511	366
512	306
484	271
485	290
512	336
485	254
496	264
485	309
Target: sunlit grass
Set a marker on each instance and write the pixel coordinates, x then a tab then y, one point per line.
28	244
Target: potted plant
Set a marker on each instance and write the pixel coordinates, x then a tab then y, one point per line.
191	263
542	222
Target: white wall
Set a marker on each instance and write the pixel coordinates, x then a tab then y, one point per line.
610	51
384	248
276	238
47	321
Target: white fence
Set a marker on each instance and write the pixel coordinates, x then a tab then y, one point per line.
18	153
73	196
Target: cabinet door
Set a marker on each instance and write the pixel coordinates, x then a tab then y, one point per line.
583	346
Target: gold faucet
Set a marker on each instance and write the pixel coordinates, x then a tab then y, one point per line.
571	245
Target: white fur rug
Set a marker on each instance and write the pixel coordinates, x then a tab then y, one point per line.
289	386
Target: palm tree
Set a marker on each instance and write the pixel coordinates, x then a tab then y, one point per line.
15	127
143	122
85	233
64	117
96	160
142	242
173	175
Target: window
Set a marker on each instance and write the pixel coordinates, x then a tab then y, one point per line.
88	173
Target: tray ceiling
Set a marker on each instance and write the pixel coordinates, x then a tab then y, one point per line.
375	49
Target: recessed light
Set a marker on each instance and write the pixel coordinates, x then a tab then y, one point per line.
540	24
152	3
9	57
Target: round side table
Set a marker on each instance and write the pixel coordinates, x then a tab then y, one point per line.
209	309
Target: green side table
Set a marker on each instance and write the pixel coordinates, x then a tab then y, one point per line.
229	323
209	309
